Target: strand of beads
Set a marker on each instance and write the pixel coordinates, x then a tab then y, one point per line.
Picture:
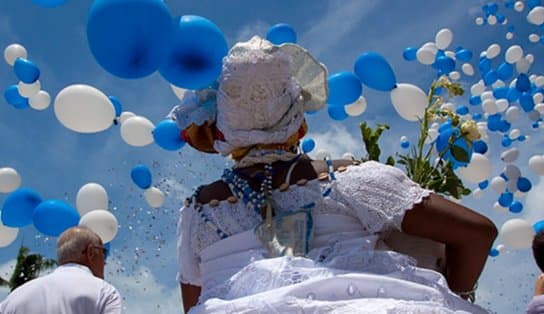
199	208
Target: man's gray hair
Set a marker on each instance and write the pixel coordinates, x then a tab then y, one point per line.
73	242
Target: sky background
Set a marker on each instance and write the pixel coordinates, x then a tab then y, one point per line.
56	161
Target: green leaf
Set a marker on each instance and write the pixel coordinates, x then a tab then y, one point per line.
459	153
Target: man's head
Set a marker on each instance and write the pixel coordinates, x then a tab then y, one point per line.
82	246
538	249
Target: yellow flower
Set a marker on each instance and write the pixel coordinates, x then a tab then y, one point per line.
469	129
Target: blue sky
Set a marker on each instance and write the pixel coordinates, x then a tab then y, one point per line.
56	162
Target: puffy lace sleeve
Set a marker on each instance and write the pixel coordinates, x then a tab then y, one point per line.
189	269
378	195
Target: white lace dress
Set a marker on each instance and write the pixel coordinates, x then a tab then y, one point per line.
341	274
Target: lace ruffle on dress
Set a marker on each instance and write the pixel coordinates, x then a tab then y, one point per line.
342	273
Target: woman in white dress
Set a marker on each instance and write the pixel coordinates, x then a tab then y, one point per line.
281	233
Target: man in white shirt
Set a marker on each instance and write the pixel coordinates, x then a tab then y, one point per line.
76	286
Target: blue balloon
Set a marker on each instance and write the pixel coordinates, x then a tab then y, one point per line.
52	217
12	96
494	252
308	145
19	207
129	39
483	185
404	144
409	54
463	55
107	246
516	207
168	136
475	100
524	185
504	126
195	58
462	110
501	92
505	71
485	65
526	102
445	64
337	112
476	116
117	105
494	122
490	77
281	33
49	3
479	147
506	199
513	94
344	88
538	226
141	176
375	72
26	71
506	141
523	84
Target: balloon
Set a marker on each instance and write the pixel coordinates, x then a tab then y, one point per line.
26	71
409	101
526	102
443	38
523	84
49	3
505	71
426	55
536	15
102	222
479	147
513	54
490	77
14	51
116	105
498	184
344	88
141	176
10	180
512	172
129	39
510	155
524	185
445	64
19	207
52	217
195	58
463	55
506	199
7	235
536	164
517	233
409	54
137	131
40	101
125	115
281	33
84	109
322	154
375	72
308	145
356	108
467	69
492	51
12	96
477	170
337	112
168	136
523	65
91	196
154	197
29	90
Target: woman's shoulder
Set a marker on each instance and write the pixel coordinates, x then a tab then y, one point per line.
217	190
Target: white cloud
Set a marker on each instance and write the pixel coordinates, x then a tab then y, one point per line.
337	141
247	31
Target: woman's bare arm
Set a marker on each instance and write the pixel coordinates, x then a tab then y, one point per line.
189	296
468	237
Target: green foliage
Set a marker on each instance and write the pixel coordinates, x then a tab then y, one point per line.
370	139
28	267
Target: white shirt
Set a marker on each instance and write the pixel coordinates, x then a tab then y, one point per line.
70	289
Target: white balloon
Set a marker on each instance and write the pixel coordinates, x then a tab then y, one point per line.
514	134
40	101
29	90
83	108
492	20
487	95
539	81
478	88
356	108
499	208
509	36
517	233
432	134
409	101
10	180
519	6
425	55
523	65
536	15
137	131
14	51
7	235
468	69
489	106
530	57
102	222
349	156
510	155
450	54
540	108
479	21
538	98
448	106
498	184
534	38
536	164
477	170
180	92
477	193
125	115
154	197
502	104
492	51
512	114
443	38
513	54
501	248
498	83
91	196
454	75
512	172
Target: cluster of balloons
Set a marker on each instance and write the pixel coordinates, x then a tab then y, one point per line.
141	176
26	93
51	217
187	51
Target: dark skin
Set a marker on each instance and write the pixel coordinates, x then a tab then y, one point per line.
468	236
